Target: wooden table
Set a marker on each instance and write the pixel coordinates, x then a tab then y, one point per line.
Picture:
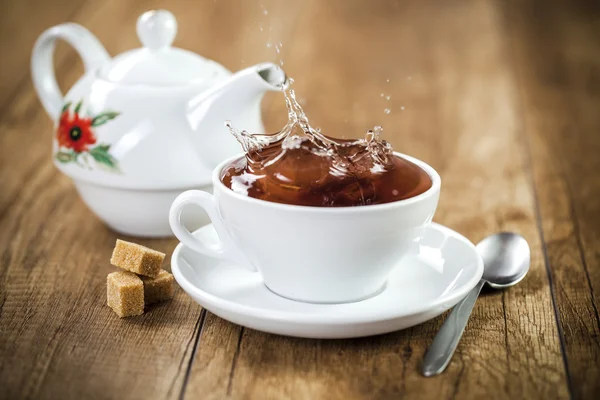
501	97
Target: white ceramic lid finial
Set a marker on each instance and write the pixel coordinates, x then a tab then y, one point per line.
156	29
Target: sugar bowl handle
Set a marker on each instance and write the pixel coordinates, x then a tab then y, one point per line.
89	48
224	248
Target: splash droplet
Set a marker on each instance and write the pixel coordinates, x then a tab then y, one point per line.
382	95
388	97
402	108
269	45
387	111
388	80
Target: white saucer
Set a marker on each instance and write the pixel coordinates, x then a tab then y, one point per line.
422	286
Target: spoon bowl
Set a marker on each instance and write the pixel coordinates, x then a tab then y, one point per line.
506	259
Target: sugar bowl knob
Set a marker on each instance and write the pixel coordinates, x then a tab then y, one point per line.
156	29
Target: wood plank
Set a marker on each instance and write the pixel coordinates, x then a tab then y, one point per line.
460	101
559	71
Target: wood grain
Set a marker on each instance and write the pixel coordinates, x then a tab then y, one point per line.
461	116
500	97
559	70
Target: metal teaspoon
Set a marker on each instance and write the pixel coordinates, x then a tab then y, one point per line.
506	259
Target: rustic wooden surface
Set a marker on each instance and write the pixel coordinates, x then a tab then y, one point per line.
501	97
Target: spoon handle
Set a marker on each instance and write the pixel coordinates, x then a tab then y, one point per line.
444	344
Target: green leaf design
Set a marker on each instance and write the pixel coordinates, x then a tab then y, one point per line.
101	156
66	107
104	117
78	107
64	157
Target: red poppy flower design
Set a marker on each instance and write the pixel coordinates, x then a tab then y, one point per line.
75	132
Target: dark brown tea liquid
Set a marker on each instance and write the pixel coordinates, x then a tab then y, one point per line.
301	166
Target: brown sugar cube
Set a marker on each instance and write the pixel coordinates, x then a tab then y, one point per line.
137	258
125	293
158	289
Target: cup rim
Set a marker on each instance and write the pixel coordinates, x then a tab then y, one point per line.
436	183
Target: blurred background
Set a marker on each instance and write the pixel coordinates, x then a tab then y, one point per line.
501	97
426	62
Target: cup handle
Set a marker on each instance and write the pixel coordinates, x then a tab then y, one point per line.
224	249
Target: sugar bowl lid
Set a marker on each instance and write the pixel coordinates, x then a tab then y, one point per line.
157	63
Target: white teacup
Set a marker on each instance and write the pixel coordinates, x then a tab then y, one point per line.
311	254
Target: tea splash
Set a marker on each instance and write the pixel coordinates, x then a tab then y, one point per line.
301	166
